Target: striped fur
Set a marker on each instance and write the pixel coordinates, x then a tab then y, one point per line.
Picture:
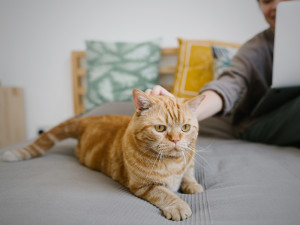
150	163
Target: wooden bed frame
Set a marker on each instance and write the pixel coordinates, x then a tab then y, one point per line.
167	70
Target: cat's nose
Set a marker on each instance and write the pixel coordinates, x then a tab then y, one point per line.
175	140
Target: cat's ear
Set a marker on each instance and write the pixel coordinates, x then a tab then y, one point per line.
193	103
141	101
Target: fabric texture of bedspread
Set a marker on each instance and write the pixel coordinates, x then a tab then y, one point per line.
245	183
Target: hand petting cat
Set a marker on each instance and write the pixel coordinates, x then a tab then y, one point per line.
158	90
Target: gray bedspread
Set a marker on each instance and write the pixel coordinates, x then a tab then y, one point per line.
245	183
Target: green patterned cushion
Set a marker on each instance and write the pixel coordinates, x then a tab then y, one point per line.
114	69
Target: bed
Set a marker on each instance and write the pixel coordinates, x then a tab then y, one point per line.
245	183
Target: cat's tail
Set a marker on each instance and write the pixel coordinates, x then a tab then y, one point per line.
68	129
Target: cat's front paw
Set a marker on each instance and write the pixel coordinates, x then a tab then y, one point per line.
191	188
178	211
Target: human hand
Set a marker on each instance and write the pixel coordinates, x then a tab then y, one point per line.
158	90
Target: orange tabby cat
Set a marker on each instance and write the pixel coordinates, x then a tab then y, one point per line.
151	153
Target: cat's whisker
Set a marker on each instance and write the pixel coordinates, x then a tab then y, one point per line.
184	157
202	158
204	161
204	149
187	148
193	157
195	160
160	147
198	162
198	148
160	157
195	151
199	155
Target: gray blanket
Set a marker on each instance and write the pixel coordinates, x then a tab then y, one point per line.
245	183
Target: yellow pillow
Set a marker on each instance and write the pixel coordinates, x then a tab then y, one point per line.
194	67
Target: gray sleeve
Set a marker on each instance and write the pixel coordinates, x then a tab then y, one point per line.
234	81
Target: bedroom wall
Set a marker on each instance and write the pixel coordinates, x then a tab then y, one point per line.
37	38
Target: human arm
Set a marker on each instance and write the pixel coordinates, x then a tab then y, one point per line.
240	86
211	105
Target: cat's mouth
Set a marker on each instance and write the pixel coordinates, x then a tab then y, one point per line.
173	152
167	150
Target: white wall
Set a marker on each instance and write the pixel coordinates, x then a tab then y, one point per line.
37	37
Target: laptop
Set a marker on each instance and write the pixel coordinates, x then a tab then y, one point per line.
286	65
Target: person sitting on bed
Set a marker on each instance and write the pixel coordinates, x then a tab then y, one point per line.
243	84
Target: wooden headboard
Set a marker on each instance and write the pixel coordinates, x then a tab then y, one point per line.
167	70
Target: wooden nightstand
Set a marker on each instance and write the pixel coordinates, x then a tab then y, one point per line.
12	116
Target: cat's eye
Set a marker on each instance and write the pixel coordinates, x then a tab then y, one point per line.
186	127
160	128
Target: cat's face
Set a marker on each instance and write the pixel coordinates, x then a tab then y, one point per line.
165	125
